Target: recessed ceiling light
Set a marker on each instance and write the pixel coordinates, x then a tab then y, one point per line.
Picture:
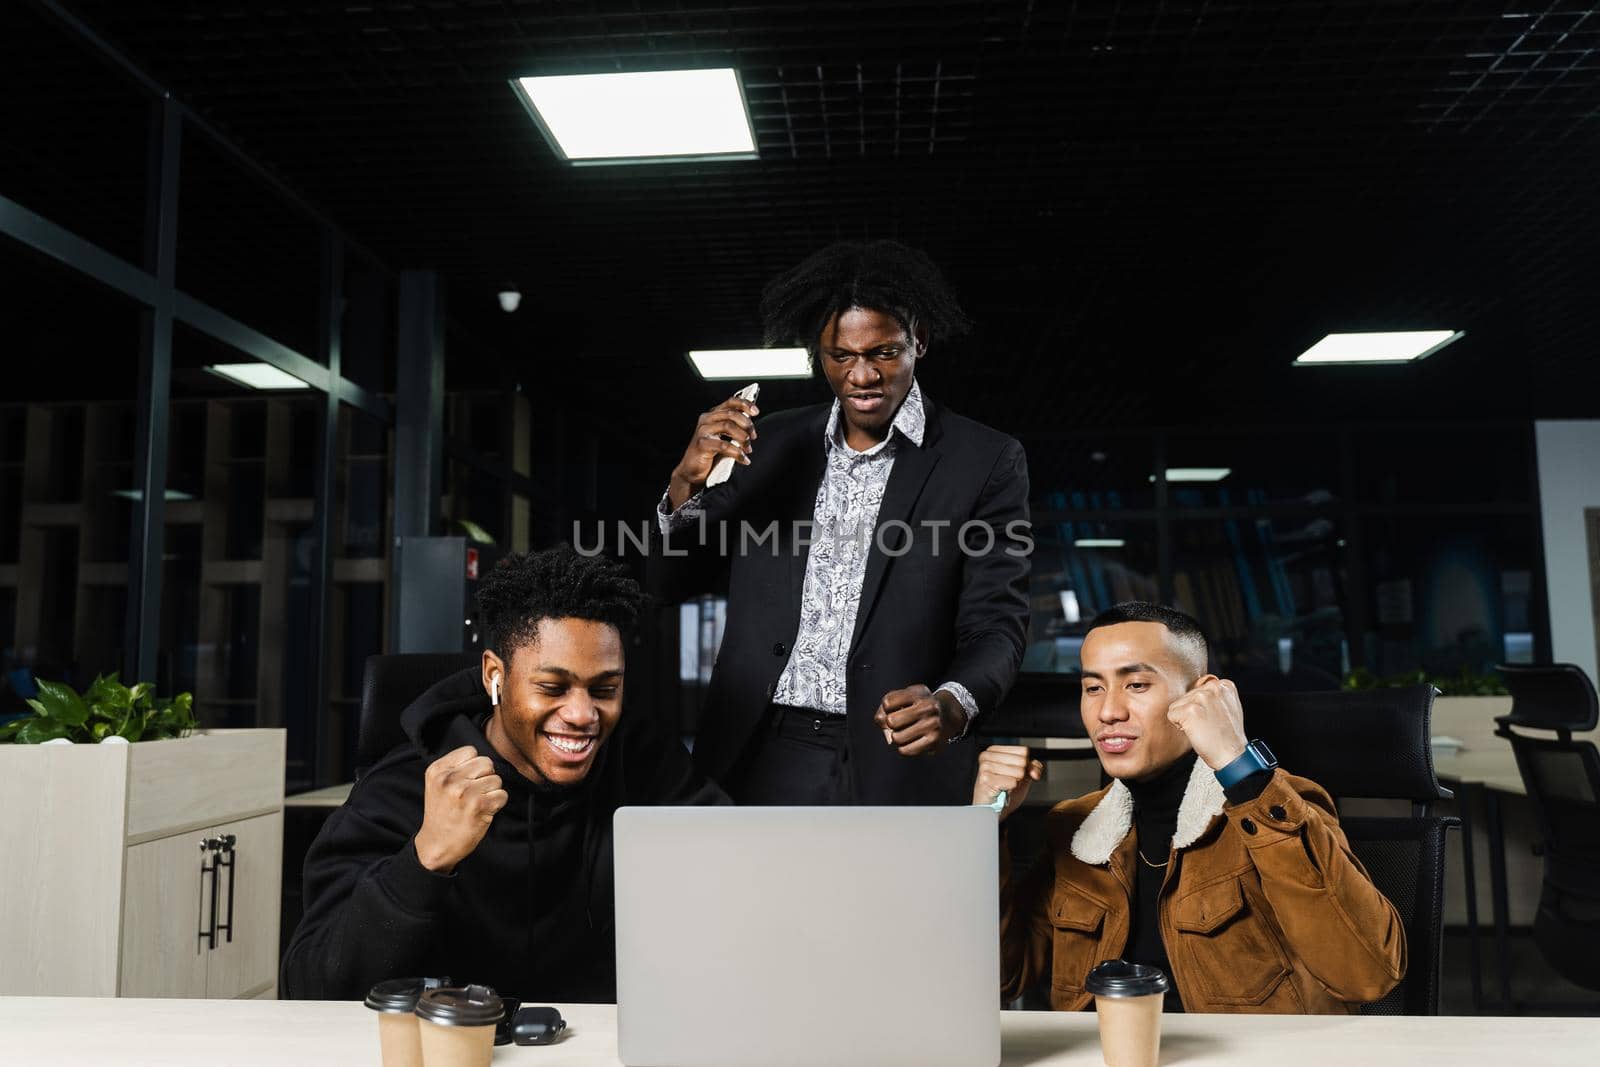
654	116
1402	346
716	364
1071	613
257	375
1099	542
1196	474
138	494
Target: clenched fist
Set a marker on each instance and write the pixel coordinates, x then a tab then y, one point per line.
462	796
916	721
1008	768
725	430
1212	718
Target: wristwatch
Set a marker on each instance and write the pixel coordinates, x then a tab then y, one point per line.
1256	757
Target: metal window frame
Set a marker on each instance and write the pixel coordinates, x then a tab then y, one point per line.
152	285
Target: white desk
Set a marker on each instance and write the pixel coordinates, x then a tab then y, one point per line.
79	1032
330	797
1486	760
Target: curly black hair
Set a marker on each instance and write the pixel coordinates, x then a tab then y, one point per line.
556	583
883	276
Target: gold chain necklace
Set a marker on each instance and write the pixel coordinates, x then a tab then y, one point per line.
1157	866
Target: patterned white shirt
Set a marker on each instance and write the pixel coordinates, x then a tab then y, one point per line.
844	519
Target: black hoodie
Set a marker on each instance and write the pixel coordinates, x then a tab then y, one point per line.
529	912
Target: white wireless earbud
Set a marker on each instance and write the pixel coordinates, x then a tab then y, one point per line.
494	691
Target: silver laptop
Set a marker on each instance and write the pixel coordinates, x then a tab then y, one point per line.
770	937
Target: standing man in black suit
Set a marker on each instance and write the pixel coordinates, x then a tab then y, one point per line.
877	549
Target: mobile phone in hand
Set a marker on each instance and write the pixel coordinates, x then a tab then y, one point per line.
723	468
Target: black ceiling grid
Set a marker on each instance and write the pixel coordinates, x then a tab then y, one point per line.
1149	206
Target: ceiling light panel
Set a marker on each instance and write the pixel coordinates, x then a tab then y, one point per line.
655	116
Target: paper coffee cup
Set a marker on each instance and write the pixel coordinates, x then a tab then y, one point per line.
1127	1000
457	1025
394	1001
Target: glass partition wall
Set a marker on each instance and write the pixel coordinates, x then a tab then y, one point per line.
197	423
193	491
1307	553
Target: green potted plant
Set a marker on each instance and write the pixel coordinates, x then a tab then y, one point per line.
1464	683
107	710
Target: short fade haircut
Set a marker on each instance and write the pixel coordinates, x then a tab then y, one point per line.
555	583
881	276
1180	625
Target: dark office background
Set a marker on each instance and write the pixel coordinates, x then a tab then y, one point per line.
1148	207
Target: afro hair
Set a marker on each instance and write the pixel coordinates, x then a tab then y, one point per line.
882	276
556	583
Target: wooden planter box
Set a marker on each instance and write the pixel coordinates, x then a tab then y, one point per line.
114	859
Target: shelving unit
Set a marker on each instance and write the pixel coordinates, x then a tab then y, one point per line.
240	556
239	552
68	533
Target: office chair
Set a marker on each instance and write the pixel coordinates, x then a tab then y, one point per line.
1375	744
1039	704
388	685
1563	781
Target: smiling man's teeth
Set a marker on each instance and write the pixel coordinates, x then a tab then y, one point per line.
570	744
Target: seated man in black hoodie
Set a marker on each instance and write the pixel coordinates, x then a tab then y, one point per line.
481	850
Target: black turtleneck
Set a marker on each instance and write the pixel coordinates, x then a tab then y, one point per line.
1155	818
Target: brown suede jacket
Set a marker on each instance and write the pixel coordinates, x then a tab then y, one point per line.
1263	907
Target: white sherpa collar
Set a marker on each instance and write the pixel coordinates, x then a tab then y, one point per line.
1103	829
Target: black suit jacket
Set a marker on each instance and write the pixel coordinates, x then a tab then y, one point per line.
926	616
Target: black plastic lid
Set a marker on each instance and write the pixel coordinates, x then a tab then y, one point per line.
399	995
473	1005
1119	978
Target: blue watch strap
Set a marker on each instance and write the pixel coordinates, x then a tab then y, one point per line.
1255	757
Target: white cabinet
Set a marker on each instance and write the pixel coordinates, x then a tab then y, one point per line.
162	954
200	911
122	866
245	959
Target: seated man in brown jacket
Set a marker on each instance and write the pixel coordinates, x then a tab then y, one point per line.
1201	858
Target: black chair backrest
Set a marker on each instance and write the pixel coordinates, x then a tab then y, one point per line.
1040	704
1554	696
1562	776
1404	857
1371	743
1563	781
388	685
1375	744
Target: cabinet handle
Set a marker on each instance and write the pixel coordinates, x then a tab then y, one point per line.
208	848
226	857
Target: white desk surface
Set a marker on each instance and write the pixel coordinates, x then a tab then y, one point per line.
331	797
1486	760
78	1032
